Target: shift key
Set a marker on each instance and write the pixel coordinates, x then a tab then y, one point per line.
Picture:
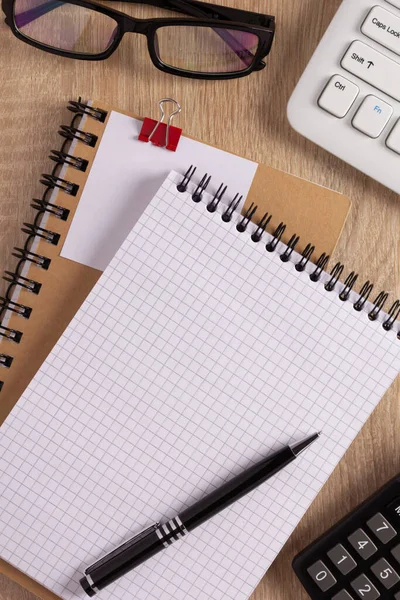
373	67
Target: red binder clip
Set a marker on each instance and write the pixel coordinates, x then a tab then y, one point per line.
159	133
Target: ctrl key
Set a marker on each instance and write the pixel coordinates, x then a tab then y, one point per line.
338	96
321	575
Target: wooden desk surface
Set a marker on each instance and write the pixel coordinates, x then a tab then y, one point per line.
247	116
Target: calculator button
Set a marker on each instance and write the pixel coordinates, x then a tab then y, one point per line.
381	528
321	575
397	596
373	67
372	116
342	559
394	508
393	143
362	544
364	588
343	595
396	553
383	27
385	573
338	96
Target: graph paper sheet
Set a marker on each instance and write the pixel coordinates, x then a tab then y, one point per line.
197	353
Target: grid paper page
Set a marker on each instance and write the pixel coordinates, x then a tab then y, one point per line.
196	354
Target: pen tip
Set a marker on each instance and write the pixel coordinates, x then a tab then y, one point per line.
299	447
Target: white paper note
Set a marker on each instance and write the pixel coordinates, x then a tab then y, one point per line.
124	177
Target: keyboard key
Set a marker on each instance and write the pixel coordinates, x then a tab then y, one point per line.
397	596
373	67
342	559
338	96
321	575
343	595
385	573
364	588
393	142
394	507
395	3
383	27
396	553
362	544
372	116
381	528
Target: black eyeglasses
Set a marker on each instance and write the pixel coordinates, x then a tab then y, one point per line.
219	43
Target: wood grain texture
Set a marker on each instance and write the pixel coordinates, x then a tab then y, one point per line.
247	116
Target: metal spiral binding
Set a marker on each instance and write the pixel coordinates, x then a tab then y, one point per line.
378	306
35	229
51	181
72	133
37	259
394	314
5	361
10	334
19	309
62	158
242	224
182	186
201	188
276	237
262	226
17	280
58	211
294	240
321	265
50	236
213	205
305	258
348	286
365	293
232	207
84	109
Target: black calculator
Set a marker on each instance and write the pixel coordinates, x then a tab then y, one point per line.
358	558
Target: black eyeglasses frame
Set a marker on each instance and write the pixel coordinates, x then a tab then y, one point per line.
215	16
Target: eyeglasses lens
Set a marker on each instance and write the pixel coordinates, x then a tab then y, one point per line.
206	49
65	26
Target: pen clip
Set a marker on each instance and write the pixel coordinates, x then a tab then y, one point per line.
121	548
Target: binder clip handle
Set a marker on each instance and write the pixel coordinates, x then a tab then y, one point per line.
159	133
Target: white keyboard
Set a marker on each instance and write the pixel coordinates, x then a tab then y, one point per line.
348	98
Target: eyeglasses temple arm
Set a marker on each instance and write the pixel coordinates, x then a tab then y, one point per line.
34	13
216	11
211	11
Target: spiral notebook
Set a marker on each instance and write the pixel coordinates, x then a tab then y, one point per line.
206	343
103	179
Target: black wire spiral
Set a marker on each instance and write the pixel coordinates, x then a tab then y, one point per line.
35	230
306	256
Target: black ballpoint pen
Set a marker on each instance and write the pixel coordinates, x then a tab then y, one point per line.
156	537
